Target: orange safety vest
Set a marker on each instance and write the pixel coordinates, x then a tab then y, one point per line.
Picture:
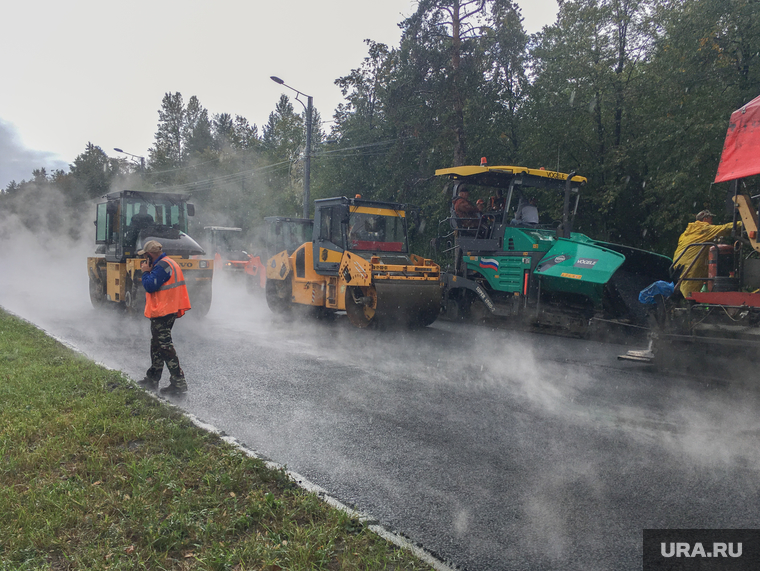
171	297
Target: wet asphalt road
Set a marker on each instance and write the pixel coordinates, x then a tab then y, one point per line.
493	450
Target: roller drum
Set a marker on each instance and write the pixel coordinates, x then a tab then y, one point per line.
407	304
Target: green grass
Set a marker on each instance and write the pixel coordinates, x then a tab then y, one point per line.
97	474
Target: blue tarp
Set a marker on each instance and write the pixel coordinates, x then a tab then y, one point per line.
662	288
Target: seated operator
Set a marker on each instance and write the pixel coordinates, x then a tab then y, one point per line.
356	233
139	221
527	213
465	210
373	229
142	219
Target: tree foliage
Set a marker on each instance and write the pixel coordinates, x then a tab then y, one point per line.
635	95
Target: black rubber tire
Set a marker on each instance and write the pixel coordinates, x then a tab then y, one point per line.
279	296
97	295
201	301
427	317
134	298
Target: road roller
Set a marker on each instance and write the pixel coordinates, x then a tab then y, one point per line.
357	262
124	222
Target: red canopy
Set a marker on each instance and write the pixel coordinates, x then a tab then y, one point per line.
741	150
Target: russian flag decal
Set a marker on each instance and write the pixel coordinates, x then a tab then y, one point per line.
490	263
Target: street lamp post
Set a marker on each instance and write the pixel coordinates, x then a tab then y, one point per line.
307	154
142	159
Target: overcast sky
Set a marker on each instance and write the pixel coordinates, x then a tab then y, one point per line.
92	71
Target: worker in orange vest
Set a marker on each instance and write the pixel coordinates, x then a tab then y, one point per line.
166	299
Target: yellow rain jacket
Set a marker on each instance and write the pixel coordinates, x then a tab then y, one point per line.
695	233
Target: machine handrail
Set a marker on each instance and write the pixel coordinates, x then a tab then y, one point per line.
702	245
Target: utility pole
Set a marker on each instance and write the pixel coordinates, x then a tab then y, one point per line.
307	154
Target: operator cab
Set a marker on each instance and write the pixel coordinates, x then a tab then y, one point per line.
509	198
283	233
127	219
365	227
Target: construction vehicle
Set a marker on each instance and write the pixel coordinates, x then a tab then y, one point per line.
226	246
357	262
537	273
723	319
125	221
281	233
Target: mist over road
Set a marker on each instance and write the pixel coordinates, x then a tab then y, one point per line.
494	450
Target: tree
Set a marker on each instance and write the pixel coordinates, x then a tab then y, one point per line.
196	131
705	64
456	79
447	24
167	151
91	174
244	135
506	49
283	143
588	68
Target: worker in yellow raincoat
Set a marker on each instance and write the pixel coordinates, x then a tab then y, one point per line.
702	230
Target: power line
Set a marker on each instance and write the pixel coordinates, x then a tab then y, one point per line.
233	177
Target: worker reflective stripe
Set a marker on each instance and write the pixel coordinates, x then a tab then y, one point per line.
173	285
171	297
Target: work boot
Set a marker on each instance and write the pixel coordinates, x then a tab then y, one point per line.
177	387
149	383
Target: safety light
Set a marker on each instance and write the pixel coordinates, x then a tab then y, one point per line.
752	234
483	161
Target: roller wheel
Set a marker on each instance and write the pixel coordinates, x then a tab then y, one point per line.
427	317
279	294
360	306
134	299
201	301
478	311
97	296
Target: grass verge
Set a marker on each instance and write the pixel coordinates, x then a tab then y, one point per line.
97	474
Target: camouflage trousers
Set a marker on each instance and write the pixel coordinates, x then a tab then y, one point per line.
162	351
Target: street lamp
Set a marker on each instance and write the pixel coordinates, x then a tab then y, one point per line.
142	159
307	157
